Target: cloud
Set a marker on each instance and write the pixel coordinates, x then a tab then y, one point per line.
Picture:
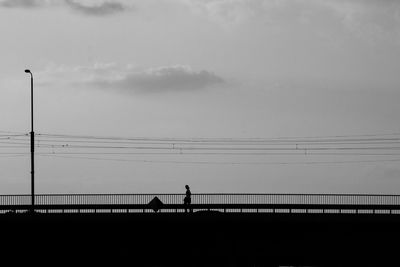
87	7
104	8
370	20
226	12
129	78
162	79
20	3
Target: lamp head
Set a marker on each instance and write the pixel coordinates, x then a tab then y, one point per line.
27	71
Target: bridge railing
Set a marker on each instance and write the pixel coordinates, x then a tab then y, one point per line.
142	199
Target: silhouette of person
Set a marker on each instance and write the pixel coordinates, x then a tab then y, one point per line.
188	199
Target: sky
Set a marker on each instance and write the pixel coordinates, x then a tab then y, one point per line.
201	70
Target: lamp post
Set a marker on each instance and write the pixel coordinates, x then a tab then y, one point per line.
32	149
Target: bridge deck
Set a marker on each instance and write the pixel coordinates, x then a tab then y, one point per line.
225	208
226	203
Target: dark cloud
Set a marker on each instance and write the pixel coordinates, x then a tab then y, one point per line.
105	8
163	79
99	8
20	3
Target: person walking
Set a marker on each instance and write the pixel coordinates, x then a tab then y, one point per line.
188	199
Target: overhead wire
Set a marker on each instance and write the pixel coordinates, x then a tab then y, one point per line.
318	139
292	137
357	145
231	163
208	146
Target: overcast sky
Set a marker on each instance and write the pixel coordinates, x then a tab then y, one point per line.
201	69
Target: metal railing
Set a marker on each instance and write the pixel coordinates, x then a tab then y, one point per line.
337	199
336	203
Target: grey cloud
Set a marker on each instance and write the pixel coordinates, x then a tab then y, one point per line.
99	8
162	79
20	3
105	8
369	20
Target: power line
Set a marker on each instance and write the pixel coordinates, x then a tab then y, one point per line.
181	148
299	142
219	153
368	145
231	163
210	147
14	156
277	139
12	132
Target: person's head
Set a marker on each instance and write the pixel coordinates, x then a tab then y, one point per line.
186	186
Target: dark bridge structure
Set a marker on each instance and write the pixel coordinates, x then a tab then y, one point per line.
226	203
222	230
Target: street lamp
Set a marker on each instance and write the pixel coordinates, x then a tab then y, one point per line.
32	148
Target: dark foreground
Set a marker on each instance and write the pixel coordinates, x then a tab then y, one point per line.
202	239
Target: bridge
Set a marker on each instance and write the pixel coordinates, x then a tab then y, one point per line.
226	203
223	230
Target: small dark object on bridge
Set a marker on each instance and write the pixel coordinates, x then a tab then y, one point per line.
188	199
156	204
